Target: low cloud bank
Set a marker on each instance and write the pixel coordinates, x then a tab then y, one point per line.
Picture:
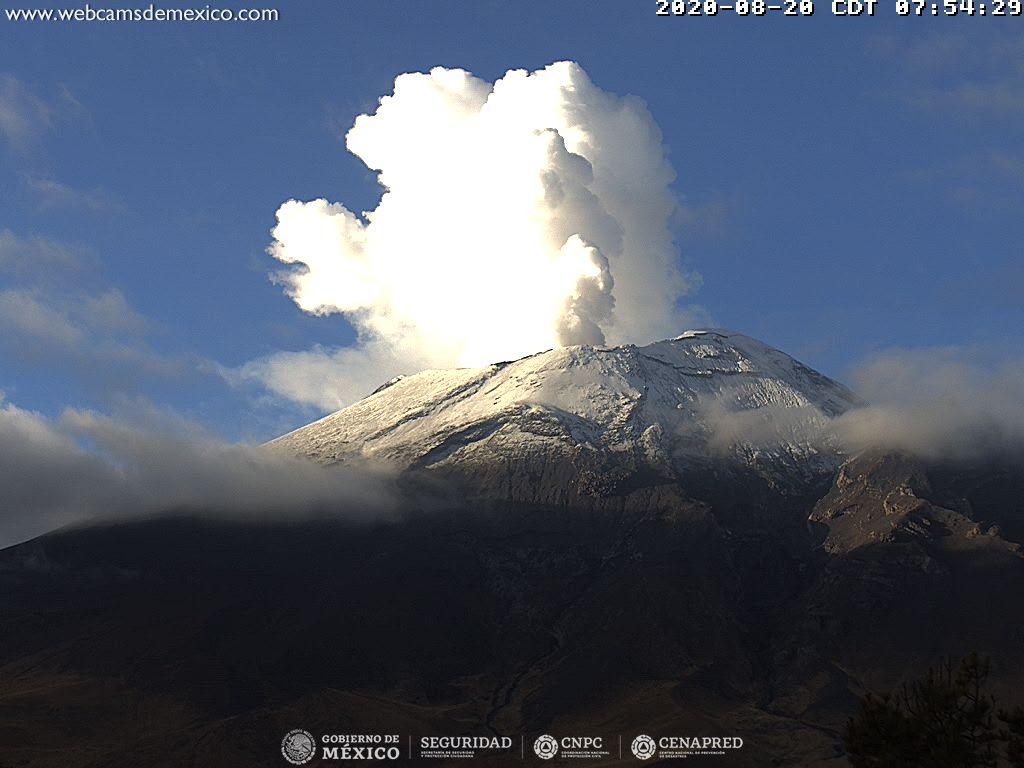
85	466
940	404
951	403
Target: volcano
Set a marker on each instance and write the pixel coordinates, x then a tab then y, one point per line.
568	422
595	541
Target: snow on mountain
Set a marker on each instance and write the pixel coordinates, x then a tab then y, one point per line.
587	414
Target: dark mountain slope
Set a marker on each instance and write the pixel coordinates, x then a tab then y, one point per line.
620	550
192	641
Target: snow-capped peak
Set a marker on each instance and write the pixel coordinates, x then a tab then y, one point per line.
702	393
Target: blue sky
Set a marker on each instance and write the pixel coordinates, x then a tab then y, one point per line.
850	185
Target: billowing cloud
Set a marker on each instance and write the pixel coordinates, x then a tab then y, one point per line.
86	466
518	215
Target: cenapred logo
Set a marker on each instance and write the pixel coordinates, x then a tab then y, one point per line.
546	747
643	747
298	746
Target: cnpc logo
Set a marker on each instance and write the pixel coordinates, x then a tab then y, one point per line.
546	747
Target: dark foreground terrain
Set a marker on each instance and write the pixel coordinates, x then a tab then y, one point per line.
717	607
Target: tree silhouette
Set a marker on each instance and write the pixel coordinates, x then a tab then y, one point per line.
1013	735
944	720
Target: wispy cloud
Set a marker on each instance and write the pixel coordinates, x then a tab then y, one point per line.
24	315
35	257
25	114
110	311
22	113
57	312
990	179
709	218
52	194
968	80
83	334
1005	97
967	73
